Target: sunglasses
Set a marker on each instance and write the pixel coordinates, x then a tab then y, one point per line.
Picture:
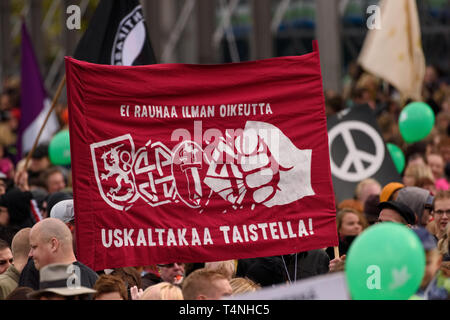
170	265
3	262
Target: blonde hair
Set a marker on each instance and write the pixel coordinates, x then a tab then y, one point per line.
162	291
360	186
200	282
243	285
227	267
420	172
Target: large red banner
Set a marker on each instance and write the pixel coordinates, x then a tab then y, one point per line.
197	163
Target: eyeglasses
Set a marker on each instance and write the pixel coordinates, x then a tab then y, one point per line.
170	265
3	262
441	212
428	206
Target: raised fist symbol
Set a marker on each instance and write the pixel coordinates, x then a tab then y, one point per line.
266	166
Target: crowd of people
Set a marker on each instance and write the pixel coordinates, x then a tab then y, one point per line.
38	254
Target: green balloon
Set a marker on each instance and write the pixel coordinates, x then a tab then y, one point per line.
416	121
385	262
59	148
397	156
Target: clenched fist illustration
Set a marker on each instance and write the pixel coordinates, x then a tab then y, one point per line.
263	163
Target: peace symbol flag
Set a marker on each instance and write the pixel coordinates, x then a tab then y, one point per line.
197	163
357	151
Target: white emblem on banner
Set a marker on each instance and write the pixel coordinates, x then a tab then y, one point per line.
260	162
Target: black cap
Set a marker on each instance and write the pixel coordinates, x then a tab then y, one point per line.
402	209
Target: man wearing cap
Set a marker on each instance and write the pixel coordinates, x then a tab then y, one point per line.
60	282
394	211
419	200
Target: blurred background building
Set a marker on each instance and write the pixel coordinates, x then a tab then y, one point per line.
217	31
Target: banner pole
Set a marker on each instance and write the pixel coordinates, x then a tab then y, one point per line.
55	99
336	252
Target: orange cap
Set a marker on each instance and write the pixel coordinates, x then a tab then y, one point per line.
389	189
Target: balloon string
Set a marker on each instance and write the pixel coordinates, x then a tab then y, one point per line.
287	272
295	270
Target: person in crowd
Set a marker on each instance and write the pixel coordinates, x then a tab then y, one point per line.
4	216
306	264
365	188
162	291
415	153
416	172
110	287
6	256
444	182
441	213
53	179
436	164
191	267
6	165
444	148
266	271
58	283
64	211
150	276
420	201
243	285
429	289
40	196
20	248
227	267
390	191
204	284
56	197
172	272
350	223
443	243
394	211
51	242
130	276
3	183
18	204
371	211
39	162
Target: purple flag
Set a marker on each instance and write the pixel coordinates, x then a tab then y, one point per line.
34	102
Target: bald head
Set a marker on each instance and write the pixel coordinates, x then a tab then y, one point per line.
51	242
53	228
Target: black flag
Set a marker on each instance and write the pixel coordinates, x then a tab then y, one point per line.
357	151
116	35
